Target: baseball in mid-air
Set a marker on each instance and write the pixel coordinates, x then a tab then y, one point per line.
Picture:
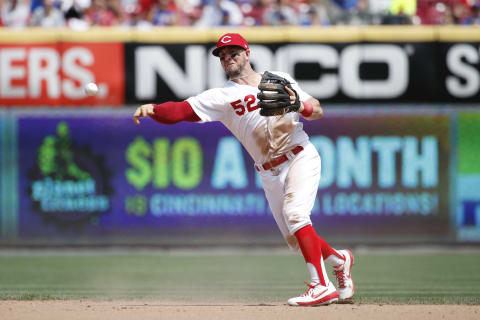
91	89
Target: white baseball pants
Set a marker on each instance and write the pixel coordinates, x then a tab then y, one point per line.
291	189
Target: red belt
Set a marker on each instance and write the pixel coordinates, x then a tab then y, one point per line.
279	160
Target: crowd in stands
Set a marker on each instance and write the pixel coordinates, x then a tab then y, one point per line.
81	14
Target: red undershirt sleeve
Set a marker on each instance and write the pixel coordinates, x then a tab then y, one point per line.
174	112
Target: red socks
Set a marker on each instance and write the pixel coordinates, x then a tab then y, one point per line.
312	251
313	248
326	249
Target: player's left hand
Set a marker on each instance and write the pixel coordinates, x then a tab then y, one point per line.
143	111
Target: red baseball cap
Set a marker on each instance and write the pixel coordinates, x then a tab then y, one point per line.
230	39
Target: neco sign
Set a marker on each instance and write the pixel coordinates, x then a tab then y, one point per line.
201	70
336	72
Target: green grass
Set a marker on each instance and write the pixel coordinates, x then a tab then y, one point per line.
244	278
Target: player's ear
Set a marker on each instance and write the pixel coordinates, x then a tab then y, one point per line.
247	52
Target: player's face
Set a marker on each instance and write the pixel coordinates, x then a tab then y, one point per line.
233	60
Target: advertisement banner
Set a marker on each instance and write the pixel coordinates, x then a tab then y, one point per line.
383	175
354	72
468	181
135	71
98	175
458	72
54	74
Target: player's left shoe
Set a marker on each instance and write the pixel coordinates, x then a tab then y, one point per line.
343	273
316	295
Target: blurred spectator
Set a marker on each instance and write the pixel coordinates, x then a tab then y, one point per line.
406	7
434	12
379	7
135	16
47	15
74	9
400	12
461	12
308	15
163	13
346	4
314	12
80	14
189	11
102	13
253	12
475	17
220	13
34	4
350	12
281	12
16	13
74	13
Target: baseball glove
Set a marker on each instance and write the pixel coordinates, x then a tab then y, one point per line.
274	98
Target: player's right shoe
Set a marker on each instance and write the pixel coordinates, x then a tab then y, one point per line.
316	295
343	273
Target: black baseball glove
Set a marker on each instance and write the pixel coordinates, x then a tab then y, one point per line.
274	98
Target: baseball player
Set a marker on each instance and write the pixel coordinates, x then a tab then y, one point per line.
262	111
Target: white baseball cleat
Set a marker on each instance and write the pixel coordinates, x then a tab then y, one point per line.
343	273
316	295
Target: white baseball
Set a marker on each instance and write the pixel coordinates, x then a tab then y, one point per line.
91	89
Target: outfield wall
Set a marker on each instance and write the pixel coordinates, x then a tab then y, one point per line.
74	170
390	175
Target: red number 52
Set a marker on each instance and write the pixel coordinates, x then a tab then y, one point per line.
240	107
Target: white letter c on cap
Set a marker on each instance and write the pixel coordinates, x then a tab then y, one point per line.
225	40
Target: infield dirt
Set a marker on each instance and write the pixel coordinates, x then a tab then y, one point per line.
127	310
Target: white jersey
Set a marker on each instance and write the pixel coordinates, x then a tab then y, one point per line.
235	105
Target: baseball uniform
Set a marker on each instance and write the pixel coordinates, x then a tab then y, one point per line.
288	164
291	187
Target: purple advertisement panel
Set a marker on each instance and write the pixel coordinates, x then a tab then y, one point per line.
383	176
86	177
102	175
